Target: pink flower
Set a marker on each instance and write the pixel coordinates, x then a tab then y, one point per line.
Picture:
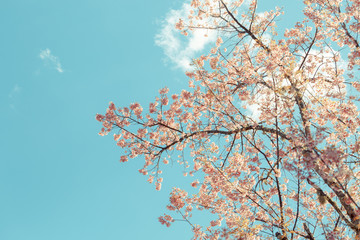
152	107
185	94
195	183
180	24
190	74
164	90
215	223
123	159
150	179
213	62
100	117
164	101
166	220
197	166
134	105
158	186
121	143
117	136
218	41
112	106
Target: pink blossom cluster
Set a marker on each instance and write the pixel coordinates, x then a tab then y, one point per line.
268	128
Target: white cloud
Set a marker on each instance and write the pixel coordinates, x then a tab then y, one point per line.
181	50
51	59
178	49
320	62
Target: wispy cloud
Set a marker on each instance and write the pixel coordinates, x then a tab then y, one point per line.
15	91
48	58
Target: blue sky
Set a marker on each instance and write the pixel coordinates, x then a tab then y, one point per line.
61	63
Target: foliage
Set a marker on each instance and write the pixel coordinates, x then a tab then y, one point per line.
269	124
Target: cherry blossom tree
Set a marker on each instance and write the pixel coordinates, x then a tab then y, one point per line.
268	127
